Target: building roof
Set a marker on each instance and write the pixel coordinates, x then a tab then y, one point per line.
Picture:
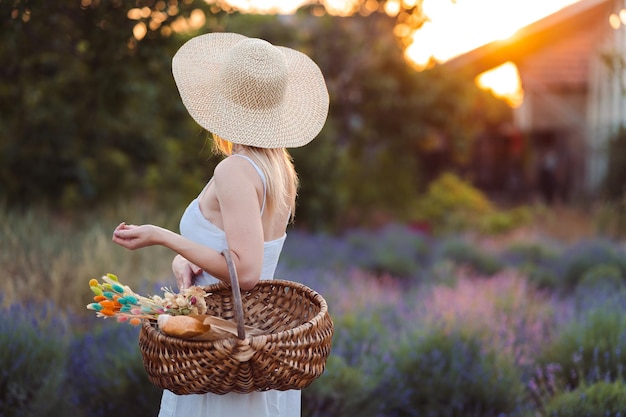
536	38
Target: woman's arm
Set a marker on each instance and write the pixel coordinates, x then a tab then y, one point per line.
240	211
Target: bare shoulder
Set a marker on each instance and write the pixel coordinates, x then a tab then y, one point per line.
235	170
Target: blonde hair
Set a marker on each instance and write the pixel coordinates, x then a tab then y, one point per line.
280	174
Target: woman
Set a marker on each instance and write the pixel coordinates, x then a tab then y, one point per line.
256	99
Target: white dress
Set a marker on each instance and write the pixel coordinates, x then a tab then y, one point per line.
196	227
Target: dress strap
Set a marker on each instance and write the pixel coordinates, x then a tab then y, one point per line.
261	174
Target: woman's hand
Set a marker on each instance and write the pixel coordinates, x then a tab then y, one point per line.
136	237
184	271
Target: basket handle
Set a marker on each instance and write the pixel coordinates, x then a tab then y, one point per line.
234	284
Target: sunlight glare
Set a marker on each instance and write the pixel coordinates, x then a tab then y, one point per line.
392	8
615	21
268	6
504	82
457	27
140	30
453	26
341	7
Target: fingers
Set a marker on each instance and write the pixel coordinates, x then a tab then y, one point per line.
125	235
184	279
184	276
187	279
184	272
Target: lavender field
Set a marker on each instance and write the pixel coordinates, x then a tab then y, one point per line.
456	325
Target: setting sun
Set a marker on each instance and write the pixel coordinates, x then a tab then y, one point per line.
453	28
504	82
458	27
268	6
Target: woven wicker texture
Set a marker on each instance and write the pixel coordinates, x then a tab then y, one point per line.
251	92
290	354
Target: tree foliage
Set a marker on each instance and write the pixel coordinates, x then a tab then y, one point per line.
90	113
86	112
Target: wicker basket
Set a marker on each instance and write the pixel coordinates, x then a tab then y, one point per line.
290	354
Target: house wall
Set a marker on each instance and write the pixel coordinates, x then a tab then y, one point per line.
568	93
607	99
571	91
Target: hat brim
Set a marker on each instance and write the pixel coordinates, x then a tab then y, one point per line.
293	123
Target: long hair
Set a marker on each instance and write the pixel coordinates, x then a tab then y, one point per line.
277	166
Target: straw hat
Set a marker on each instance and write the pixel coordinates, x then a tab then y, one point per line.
250	92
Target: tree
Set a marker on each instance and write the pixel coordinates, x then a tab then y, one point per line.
90	112
86	112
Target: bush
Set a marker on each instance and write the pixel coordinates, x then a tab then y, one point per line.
33	352
107	374
601	399
605	276
601	286
360	346
468	255
505	312
340	390
451	205
503	221
589	349
446	374
538	261
393	250
529	253
584	256
543	278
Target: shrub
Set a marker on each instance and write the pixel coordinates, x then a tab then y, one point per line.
447	374
584	256
503	221
393	250
340	390
360	346
607	276
601	399
107	374
451	205
543	278
589	349
33	351
504	312
601	286
537	260
466	254
529	253
306	250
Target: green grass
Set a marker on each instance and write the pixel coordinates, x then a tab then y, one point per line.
46	256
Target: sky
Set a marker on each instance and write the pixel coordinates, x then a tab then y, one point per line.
458	27
455	27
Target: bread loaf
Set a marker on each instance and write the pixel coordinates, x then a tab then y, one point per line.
185	327
201	327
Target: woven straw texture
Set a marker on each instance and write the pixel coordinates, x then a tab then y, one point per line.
290	354
251	92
